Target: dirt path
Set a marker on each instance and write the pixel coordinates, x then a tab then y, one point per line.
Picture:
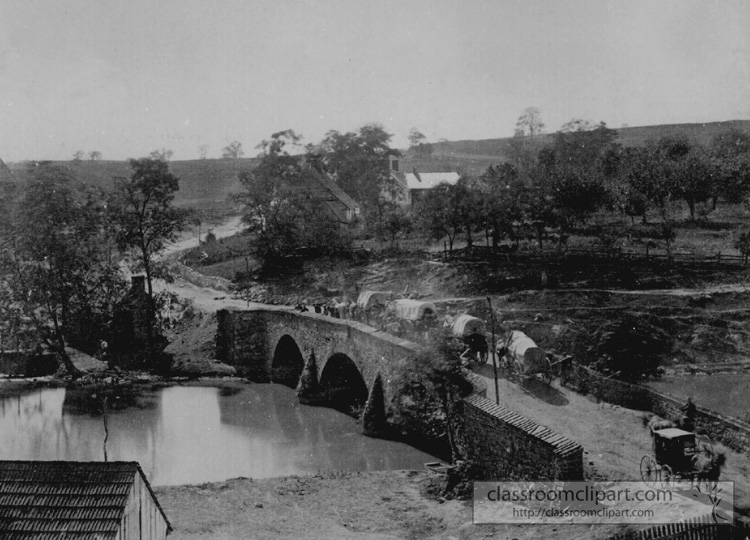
613	438
190	239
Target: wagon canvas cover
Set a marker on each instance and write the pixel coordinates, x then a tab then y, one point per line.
412	310
465	325
367	299
522	350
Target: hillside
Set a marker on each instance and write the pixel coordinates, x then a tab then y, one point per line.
208	182
203	182
473	157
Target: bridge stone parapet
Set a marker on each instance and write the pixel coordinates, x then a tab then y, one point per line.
250	341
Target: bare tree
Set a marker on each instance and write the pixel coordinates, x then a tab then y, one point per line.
161	155
233	150
530	122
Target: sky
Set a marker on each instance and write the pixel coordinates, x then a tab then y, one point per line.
127	77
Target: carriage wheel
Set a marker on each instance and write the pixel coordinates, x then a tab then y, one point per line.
648	470
666	477
706	486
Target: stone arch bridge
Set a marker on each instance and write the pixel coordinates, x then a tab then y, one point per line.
338	360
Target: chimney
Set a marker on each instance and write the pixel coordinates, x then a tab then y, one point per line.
138	282
393	163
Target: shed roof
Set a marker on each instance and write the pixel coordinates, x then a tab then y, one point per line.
429	180
65	500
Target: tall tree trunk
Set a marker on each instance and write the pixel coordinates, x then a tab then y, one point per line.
151	316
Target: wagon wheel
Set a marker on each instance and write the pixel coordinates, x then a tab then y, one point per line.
648	470
547	374
667	477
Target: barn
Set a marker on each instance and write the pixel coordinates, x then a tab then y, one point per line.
68	500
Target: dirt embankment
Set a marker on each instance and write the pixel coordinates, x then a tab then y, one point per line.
368	506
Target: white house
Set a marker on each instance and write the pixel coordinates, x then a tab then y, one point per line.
414	185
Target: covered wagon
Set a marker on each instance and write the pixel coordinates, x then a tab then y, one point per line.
523	357
413	310
465	325
370	299
471	331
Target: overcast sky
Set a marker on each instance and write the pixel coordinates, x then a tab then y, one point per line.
126	77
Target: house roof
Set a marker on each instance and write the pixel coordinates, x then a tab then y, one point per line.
65	500
429	180
336	192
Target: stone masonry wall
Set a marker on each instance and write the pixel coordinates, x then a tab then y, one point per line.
508	446
731	432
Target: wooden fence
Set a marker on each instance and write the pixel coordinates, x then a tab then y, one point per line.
693	529
696	259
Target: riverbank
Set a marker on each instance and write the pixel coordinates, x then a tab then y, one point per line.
384	505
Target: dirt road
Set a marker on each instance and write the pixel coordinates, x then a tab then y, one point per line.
613	438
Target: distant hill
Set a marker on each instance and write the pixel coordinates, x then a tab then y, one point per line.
203	182
208	182
473	157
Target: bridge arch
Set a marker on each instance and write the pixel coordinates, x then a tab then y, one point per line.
342	385
287	363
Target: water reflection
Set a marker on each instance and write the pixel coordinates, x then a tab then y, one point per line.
200	434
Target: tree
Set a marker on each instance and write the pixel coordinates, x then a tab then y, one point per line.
142	209
358	162
742	244
161	155
501	201
429	391
530	123
627	348
96	155
203	151
440	214
60	272
576	195
417	142
730	155
416	137
78	156
393	221
581	144
279	208
233	150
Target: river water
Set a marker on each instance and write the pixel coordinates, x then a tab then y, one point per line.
187	435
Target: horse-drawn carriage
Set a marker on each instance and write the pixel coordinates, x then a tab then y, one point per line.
680	455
